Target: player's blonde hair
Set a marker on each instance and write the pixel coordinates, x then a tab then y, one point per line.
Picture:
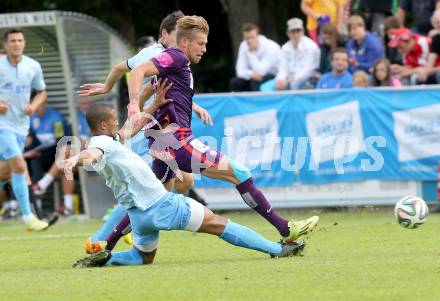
188	25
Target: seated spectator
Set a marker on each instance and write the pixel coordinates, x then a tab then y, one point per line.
432	68
364	48
47	126
421	11
257	62
339	77
381	75
330	40
392	24
435	21
299	59
360	79
415	51
320	12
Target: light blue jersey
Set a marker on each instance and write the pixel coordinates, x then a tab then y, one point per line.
143	56
16	83
131	179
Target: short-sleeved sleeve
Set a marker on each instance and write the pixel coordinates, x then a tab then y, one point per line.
104	143
435	46
144	55
170	61
38	80
135	60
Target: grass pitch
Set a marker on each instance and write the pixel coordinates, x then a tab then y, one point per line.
362	255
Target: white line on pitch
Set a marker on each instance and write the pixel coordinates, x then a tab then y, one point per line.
48	236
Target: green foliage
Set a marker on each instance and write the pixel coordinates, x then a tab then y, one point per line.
351	256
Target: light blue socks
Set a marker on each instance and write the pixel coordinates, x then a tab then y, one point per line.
115	217
242	236
21	193
129	257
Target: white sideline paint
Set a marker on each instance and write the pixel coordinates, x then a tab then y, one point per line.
47	236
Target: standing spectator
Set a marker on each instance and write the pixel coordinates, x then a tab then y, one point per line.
257	62
374	13
381	75
421	11
392	24
48	126
435	21
339	77
330	40
299	58
364	47
319	12
415	51
360	79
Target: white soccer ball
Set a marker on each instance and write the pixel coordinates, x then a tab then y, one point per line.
411	211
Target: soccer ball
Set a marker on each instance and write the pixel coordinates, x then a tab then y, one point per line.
411	211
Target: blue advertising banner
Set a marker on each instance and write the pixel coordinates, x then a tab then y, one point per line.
326	136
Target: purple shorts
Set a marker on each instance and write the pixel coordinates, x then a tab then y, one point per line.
180	151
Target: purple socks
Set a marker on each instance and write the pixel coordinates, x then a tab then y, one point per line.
120	230
255	199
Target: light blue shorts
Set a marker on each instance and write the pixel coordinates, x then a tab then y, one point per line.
171	212
11	144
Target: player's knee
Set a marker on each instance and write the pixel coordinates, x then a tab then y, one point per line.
241	172
185	185
18	165
213	223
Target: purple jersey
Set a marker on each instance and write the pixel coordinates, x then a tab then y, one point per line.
173	65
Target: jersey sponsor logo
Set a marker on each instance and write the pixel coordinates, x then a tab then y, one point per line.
8	86
165	60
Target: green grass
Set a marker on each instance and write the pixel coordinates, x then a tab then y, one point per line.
361	255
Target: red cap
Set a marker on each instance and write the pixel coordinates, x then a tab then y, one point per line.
402	34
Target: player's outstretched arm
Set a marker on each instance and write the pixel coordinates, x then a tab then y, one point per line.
203	114
85	157
103	88
145	95
137	75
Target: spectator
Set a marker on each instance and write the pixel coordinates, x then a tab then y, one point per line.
415	51
319	12
360	79
374	13
48	126
339	77
381	75
299	59
330	40
392	24
257	62
421	11
435	21
432	68
364	47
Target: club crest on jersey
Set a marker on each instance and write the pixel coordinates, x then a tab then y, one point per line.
165	60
